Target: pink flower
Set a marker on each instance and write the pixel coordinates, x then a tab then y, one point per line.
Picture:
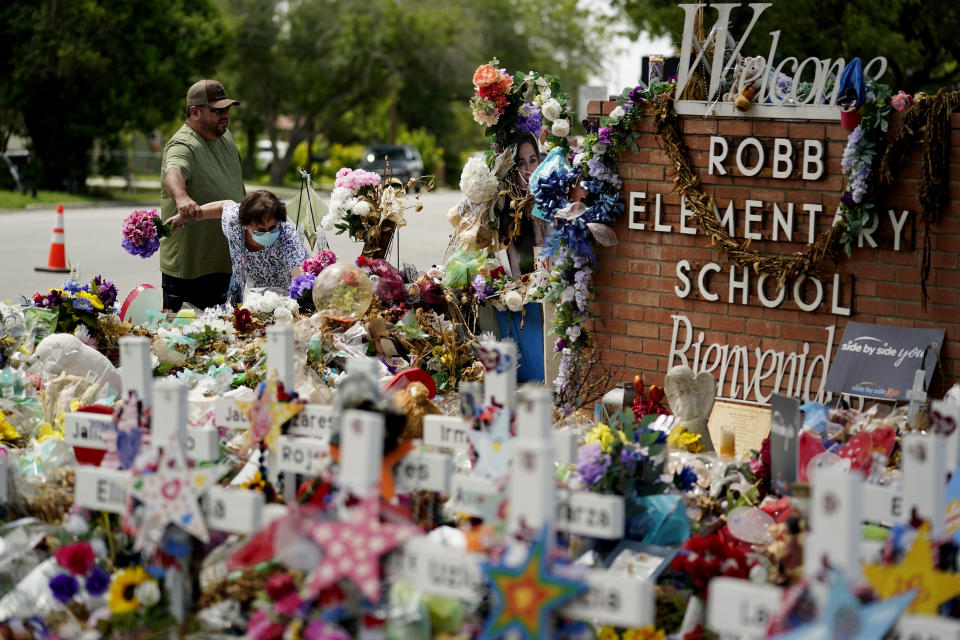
279	585
261	627
77	558
288	606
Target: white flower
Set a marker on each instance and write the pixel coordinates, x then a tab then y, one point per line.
577	159
599	149
340	194
330	219
283	315
360	208
76	524
573	332
568	294
99	547
560	128
617	113
550	109
513	300
477	182
148	593
542	85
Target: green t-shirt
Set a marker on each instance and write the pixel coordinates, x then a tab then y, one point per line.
211	170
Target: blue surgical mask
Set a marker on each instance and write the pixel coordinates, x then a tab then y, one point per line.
266	238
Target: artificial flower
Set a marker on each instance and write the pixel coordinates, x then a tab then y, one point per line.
592	463
551	109
560	128
148	593
8	432
684	440
64	586
645	633
486	75
617	112
513	300
477	182
604	435
279	585
77	558
288	605
320	630
97	582
141	233
123	589
901	101
261	627
608	633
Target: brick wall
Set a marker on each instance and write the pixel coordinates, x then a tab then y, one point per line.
636	279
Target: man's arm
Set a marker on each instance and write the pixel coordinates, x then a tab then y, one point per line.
176	186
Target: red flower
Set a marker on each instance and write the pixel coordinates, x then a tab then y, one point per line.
241	319
77	558
364	262
279	585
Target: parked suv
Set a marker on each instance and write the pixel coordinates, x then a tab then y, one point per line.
405	161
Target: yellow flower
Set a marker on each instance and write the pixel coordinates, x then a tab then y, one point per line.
254	482
603	435
646	633
684	440
438	350
123	587
446	359
48	431
608	633
74	405
92	297
8	432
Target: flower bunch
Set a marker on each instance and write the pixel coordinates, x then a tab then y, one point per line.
707	557
79	304
477	181
79	560
491	89
368	209
626	461
270	303
284	614
142	231
864	146
301	288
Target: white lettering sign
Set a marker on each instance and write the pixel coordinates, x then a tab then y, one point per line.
613	599
590	514
741	608
91	430
424	471
102	489
301	455
446	432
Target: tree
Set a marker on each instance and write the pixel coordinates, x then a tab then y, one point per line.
81	70
917	38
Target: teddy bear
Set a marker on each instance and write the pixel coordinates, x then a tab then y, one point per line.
748	73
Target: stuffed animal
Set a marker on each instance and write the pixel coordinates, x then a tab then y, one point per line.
746	82
66	353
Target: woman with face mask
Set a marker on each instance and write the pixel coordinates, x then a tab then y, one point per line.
265	248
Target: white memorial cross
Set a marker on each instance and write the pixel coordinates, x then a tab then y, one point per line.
361	451
136	370
835	520
925	478
917	394
499	361
280	349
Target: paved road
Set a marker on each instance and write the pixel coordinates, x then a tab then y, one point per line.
93	245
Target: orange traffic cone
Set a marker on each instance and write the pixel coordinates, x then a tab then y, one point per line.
57	262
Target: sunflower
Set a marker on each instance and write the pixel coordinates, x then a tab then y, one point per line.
123	586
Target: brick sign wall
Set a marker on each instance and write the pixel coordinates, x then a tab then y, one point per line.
663	284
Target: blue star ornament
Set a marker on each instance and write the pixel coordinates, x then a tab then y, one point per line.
844	618
525	596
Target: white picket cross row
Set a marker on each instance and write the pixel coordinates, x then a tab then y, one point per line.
280	350
136	370
533	491
834	514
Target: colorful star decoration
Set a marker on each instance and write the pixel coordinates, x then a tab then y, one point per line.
352	548
170	496
526	595
267	415
846	618
915	571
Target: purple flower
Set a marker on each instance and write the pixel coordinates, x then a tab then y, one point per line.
847	200
105	290
73	286
64	586
300	284
529	119
560	346
97	582
480	286
604	136
592	463
637	94
144	250
631	458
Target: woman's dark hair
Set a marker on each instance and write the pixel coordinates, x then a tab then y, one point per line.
526	136
261	205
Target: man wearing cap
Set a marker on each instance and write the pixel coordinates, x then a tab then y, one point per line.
200	164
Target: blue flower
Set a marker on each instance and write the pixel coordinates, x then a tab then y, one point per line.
685	479
73	286
82	304
592	463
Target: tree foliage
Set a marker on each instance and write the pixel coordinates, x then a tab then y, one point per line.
917	38
80	70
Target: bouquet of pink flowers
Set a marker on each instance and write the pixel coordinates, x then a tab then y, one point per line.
142	231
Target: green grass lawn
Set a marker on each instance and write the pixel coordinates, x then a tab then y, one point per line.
17	200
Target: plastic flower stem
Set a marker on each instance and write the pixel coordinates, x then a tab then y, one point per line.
109	531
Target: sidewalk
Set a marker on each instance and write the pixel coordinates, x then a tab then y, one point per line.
116	182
